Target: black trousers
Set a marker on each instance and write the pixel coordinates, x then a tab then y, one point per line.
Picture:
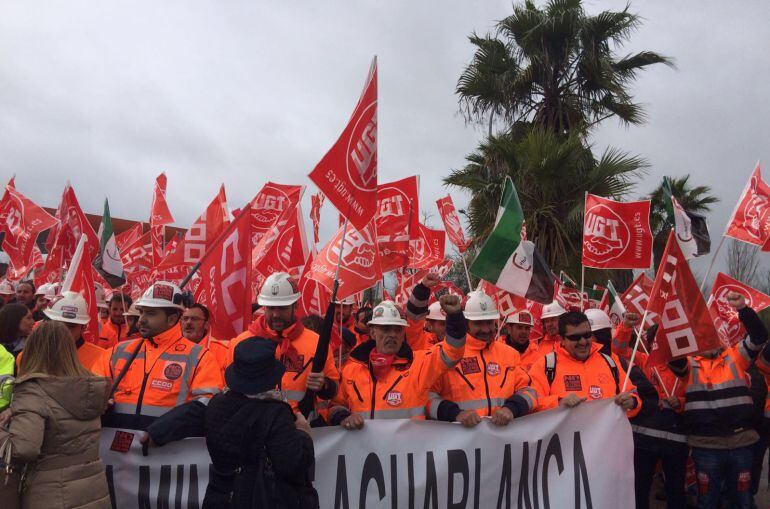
674	468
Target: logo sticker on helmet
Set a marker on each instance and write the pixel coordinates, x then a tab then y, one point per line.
163	292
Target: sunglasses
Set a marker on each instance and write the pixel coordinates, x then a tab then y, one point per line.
578	337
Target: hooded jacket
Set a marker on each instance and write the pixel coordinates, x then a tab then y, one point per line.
55	428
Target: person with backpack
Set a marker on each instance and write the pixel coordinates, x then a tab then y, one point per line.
577	370
261	452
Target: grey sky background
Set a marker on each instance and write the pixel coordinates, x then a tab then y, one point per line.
108	94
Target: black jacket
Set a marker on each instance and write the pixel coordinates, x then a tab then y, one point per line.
247	434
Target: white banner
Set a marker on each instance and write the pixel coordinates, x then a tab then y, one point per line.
563	458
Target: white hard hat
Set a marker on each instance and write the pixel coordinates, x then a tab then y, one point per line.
71	308
132	311
99	293
387	313
552	310
6	288
47	290
522	317
161	294
347	301
279	289
436	313
480	306
598	319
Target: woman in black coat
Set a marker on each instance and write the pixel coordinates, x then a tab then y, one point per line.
262	454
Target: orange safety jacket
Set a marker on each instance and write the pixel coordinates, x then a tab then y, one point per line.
403	394
111	334
600	376
529	356
549	343
488	377
218	348
168	371
297	360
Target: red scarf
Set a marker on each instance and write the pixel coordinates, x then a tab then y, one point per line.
380	364
259	328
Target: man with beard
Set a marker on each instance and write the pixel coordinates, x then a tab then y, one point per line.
488	381
518	327
296	344
195	327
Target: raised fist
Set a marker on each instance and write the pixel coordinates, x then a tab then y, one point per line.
736	300
451	304
430	280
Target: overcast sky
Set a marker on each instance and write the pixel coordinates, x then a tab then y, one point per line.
108	94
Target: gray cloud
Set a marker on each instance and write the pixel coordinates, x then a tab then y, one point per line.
108	94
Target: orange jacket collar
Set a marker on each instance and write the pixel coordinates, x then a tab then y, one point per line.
168	336
259	328
595	347
474	344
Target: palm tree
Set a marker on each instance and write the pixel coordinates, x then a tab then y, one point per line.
551	173
696	199
555	67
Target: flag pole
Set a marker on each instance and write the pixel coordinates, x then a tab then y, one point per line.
657	373
467	274
711	264
582	286
633	353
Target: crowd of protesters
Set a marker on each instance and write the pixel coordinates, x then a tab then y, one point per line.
155	368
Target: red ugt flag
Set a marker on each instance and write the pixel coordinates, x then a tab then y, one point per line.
159	217
751	221
397	221
427	250
23	222
452	225
80	279
730	328
616	235
225	279
685	326
360	266
347	174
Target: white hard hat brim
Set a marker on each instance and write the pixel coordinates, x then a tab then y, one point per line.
151	303
56	317
388	321
275	302
482	316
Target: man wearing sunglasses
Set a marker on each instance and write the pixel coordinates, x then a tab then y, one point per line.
578	371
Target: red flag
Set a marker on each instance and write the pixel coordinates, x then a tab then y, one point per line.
347	174
137	255
730	328
36	262
427	249
23	222
567	296
616	235
159	217
751	221
317	200
201	234
407	279
289	251
452	225
80	279
4	214
73	223
268	206
360	268
637	298
315	296
398	207
225	276
685	326
128	237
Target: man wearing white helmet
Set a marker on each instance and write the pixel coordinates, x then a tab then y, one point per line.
518	328
488	381
101	303
6	292
167	371
72	310
44	295
114	328
550	320
385	379
296	344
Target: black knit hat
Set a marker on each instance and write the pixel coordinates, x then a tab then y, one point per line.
255	368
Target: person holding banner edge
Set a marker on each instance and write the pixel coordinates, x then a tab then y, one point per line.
489	381
384	378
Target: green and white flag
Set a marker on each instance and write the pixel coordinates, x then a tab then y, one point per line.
617	309
690	228
108	262
509	261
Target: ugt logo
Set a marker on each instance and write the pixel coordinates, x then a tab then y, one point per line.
605	235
